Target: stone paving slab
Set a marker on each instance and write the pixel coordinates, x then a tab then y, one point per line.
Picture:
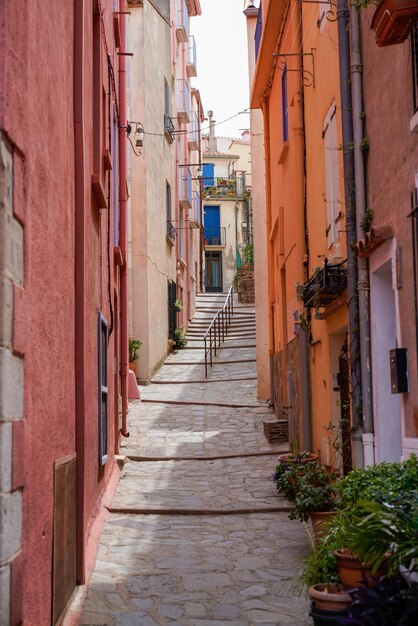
190	430
215	571
222	484
225	353
197	372
237	393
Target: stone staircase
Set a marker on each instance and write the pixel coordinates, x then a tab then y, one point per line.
240	331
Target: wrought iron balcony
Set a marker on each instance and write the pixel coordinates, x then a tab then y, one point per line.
185	187
182	20
183	100
215	236
171	233
229	187
193	132
195	210
191	61
325	285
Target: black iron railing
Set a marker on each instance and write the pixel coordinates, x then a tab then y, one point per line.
325	285
218	329
215	236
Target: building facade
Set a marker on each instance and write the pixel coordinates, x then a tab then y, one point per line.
63	305
164	191
227	207
341	230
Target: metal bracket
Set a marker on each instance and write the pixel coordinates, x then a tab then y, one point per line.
331	14
308	77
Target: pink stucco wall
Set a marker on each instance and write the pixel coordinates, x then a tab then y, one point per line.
37	116
391	169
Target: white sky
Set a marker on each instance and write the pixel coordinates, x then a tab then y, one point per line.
222	65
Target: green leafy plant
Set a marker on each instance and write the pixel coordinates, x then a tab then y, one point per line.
181	340
315	491
387	531
248	253
134	346
381	482
287	472
178	304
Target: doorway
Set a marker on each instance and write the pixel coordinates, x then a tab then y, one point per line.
213	278
387	406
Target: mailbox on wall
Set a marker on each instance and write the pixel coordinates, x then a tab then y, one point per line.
398	370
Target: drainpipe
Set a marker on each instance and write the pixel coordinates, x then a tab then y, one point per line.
80	252
351	234
362	263
123	226
304	334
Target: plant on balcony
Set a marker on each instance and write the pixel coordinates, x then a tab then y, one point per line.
325	285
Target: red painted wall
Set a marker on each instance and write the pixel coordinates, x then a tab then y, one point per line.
37	115
392	163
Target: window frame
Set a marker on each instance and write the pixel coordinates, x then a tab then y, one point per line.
103	389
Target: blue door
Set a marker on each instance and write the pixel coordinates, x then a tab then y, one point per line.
212	225
208	174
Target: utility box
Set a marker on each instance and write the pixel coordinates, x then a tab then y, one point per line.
398	370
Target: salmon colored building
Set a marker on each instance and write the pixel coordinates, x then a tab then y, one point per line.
296	85
63	294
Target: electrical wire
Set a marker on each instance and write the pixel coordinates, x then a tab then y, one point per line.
185	131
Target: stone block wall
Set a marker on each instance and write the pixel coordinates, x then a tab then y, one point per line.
245	286
11	378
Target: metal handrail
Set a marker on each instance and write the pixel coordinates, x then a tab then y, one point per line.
218	329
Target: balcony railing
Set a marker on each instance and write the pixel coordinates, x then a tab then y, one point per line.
191	62
171	233
169	128
215	236
183	100
185	187
326	284
229	187
193	132
182	20
195	210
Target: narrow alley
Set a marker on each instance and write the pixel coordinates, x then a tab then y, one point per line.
197	535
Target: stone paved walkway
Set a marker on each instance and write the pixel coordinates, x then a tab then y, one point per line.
197	535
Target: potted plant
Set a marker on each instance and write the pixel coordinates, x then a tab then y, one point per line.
178	305
181	340
134	346
315	497
295	458
329	603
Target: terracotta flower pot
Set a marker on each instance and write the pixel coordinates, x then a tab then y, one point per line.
132	366
319	521
393	20
352	571
330	597
287	458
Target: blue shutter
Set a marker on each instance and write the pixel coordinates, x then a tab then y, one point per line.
208	174
284	106
258	32
212	225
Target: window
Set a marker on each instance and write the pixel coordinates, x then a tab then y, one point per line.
332	176
103	390
171	299
258	32
168	201
414	40
115	181
284	106
168	123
